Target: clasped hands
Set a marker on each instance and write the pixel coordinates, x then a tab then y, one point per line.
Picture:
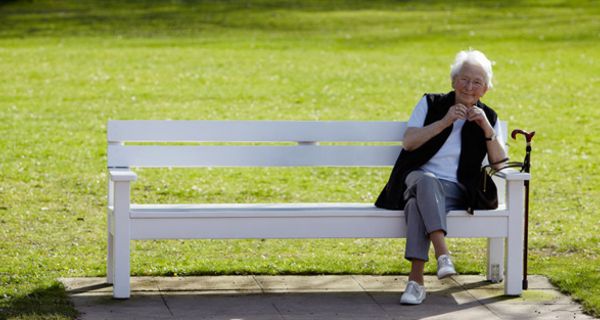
461	112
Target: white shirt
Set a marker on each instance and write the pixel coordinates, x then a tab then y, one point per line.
444	164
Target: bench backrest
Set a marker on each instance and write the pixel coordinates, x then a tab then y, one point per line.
156	143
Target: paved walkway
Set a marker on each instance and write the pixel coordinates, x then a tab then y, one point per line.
316	297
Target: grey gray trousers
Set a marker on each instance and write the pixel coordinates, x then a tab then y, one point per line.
428	201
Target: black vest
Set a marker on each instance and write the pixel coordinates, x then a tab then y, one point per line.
473	151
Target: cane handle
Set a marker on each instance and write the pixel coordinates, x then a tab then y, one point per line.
528	136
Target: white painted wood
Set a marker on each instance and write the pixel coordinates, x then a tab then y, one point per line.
514	240
110	258
121	174
513	175
315	220
253	131
306	220
111	191
109	234
121	241
303	227
495	255
251	156
260	210
501	187
119	131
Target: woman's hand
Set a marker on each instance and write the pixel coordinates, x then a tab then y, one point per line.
456	112
477	115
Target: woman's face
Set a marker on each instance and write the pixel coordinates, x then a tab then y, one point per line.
469	84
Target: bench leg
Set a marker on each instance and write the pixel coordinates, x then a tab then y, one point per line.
121	241
109	238
110	261
121	267
514	242
495	269
514	268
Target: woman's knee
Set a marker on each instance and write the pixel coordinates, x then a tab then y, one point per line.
428	180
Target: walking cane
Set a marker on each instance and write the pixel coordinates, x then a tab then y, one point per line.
525	168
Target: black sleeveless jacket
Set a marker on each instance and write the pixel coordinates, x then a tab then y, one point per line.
473	151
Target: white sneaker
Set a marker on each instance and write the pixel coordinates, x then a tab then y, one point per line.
445	267
413	294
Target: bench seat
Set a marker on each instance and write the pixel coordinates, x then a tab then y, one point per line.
295	220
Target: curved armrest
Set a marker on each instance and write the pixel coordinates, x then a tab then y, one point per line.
513	175
122	175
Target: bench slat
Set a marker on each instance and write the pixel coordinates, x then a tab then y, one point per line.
296	220
251	156
290	210
253	131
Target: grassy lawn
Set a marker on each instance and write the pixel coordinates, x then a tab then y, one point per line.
66	67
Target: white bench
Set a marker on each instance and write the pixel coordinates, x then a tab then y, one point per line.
127	221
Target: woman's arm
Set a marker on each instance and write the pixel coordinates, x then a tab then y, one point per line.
495	149
414	137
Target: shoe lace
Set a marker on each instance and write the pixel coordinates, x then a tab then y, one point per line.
413	289
445	261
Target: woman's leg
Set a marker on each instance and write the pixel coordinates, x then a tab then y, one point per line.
425	214
417	240
416	271
439	243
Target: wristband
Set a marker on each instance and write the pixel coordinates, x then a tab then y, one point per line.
492	138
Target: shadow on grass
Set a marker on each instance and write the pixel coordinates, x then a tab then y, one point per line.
49	302
371	20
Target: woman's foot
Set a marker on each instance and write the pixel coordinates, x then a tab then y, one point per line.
445	267
413	294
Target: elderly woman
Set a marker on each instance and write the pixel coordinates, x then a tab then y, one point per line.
447	139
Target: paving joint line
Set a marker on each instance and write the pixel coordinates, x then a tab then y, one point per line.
372	298
278	311
162	297
465	289
262	290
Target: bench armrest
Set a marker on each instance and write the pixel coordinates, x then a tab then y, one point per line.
122	175
513	175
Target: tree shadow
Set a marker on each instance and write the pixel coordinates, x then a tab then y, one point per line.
202	18
43	302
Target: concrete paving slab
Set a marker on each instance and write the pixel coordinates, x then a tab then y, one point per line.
330	305
316	297
531	296
273	284
381	283
238	306
139	306
211	285
537	311
99	285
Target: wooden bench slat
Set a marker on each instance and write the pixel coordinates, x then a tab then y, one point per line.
251	156
291	221
253	131
295	220
286	210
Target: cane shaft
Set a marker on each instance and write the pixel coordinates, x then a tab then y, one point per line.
526	235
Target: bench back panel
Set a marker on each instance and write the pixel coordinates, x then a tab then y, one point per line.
251	156
253	131
305	150
304	134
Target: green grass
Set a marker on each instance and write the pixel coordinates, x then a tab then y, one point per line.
66	67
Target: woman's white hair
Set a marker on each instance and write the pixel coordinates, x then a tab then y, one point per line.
473	57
